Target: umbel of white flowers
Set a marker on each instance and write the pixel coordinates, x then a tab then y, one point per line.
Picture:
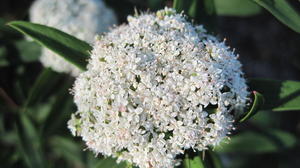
81	18
155	88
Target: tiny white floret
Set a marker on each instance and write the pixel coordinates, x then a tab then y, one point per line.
80	18
156	87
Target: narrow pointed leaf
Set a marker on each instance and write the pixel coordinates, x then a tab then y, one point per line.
29	142
179	5
7	33
96	162
212	160
279	95
67	149
194	162
155	4
251	142
60	113
241	8
200	11
190	7
258	101
283	11
43	84
69	47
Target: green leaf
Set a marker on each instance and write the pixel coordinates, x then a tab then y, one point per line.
258	102
29	51
41	87
67	149
60	111
193	8
283	11
209	7
56	106
186	6
236	8
7	32
212	160
200	11
29	142
3	61
266	119
279	95
70	48
179	5
8	156
268	141
105	162
40	111
194	162
155	4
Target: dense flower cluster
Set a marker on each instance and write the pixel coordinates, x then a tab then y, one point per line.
157	87
81	18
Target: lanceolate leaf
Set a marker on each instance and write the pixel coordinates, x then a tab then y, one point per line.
60	111
239	8
155	4
94	162
179	5
283	11
70	48
258	101
193	7
212	160
200	11
43	84
7	33
250	142
68	149
279	95
29	142
194	162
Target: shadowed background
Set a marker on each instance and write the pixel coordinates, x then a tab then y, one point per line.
267	49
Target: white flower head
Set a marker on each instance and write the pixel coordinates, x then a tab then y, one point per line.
80	18
155	88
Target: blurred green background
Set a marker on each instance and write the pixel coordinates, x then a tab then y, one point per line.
33	129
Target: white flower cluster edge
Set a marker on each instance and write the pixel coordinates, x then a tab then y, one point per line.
156	87
83	19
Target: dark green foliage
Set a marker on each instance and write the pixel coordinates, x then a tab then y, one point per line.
257	103
279	95
35	103
69	47
283	11
239	8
